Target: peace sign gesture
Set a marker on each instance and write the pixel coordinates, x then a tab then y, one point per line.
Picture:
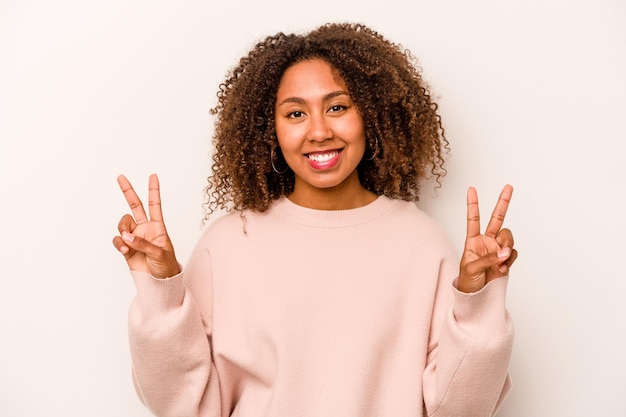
144	241
488	256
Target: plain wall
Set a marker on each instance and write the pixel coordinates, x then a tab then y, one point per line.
532	93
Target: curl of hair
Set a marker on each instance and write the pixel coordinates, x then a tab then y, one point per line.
386	86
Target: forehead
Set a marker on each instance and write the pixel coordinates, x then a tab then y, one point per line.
310	76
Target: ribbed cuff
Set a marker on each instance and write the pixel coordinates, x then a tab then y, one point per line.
155	294
483	313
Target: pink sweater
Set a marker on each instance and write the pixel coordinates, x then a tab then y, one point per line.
313	313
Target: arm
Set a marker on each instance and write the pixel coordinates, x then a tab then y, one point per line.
467	371
472	334
168	334
169	345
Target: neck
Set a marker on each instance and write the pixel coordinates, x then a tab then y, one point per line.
342	197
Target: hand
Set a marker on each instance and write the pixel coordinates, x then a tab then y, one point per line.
144	242
489	256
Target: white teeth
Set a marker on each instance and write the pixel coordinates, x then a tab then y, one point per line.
323	157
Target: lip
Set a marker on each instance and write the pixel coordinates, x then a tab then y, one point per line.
322	160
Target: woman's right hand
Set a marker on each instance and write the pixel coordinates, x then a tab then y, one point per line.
144	241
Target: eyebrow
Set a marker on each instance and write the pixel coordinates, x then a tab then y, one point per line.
300	100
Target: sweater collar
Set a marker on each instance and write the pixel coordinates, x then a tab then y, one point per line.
331	218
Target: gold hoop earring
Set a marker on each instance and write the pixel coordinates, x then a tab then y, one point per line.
274	156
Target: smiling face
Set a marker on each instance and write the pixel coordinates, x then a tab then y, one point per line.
321	135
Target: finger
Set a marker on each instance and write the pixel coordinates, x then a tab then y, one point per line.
121	246
488	261
504	268
161	262
499	212
126	224
132	199
505	238
142	245
473	213
509	262
154	199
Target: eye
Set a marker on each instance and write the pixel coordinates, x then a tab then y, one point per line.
337	108
295	114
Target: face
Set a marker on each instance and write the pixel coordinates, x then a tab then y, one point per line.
319	129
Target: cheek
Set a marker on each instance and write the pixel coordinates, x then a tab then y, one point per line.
354	129
358	139
288	137
284	141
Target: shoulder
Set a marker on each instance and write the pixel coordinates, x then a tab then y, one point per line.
413	224
235	225
410	215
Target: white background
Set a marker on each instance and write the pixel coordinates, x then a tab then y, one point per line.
533	93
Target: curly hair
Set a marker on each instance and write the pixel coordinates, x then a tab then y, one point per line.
405	137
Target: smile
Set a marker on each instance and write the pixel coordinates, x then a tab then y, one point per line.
324	160
323	157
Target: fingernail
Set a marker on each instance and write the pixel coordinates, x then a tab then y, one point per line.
503	269
128	237
124	250
504	253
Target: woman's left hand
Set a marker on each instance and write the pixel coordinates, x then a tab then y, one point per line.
489	256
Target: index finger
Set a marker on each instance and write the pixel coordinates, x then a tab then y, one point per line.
499	212
473	213
132	199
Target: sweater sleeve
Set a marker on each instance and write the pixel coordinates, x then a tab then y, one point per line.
169	335
468	359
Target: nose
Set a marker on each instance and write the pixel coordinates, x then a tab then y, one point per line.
319	128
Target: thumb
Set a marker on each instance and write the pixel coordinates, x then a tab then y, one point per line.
488	261
161	261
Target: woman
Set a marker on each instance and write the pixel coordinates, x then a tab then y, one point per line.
325	291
